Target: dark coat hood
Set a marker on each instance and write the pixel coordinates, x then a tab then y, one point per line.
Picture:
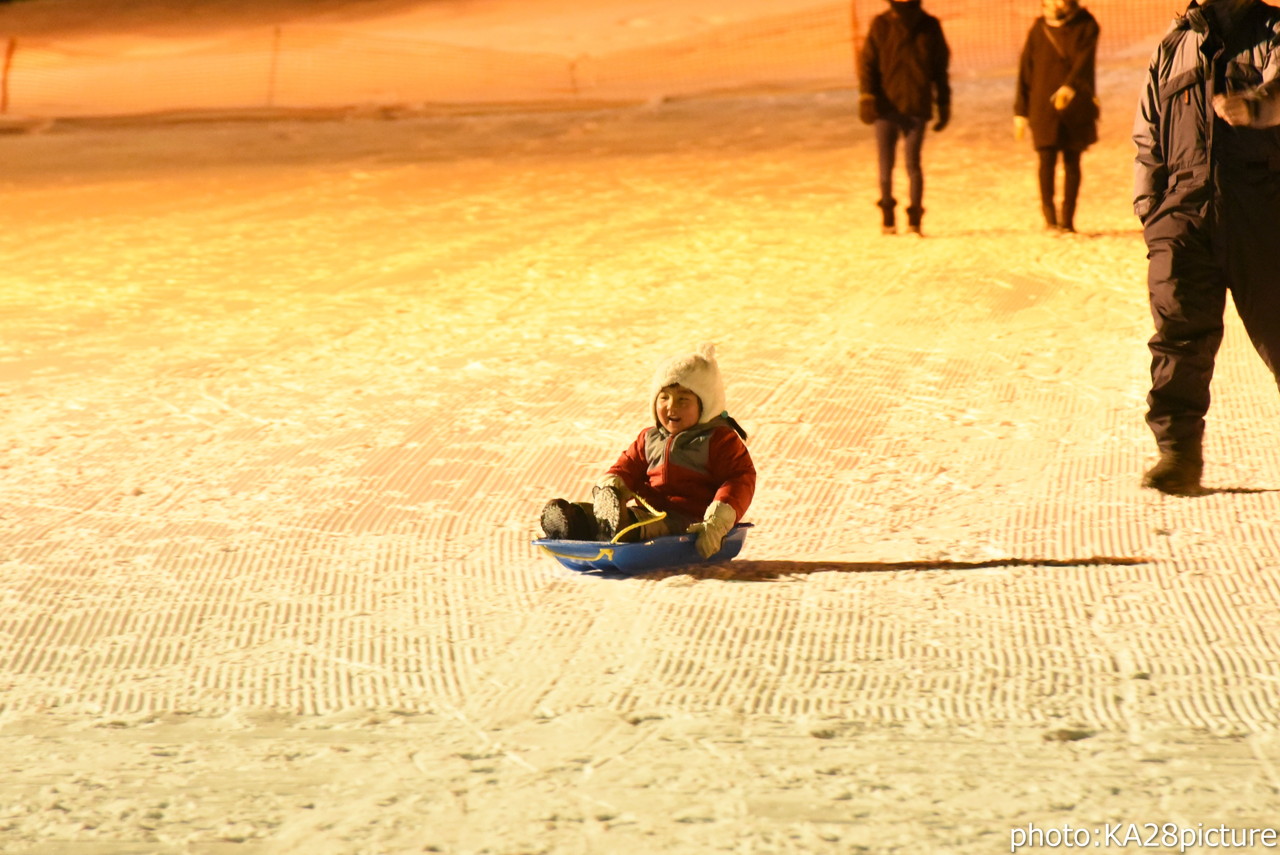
908	10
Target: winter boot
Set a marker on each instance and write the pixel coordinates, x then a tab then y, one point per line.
1177	472
563	520
1050	216
610	511
1067	222
889	224
914	216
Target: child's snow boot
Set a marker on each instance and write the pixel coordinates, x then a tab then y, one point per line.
562	520
610	511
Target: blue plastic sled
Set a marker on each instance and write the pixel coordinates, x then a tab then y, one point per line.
675	550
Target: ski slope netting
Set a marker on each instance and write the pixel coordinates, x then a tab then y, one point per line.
303	66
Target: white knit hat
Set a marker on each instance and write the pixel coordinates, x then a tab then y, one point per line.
699	373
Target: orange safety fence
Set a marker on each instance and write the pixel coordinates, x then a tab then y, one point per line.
301	67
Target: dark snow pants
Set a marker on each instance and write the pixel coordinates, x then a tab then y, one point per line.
1202	244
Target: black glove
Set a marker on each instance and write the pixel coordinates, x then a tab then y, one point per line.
944	117
867	109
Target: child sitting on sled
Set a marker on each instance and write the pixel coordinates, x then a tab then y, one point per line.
689	472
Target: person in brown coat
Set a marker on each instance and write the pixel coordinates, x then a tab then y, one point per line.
1056	97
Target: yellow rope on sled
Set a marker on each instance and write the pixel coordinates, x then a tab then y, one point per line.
603	553
617	538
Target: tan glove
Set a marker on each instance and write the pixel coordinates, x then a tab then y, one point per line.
621	486
716	523
1062	97
1020	124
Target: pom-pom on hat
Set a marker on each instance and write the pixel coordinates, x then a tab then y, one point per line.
699	373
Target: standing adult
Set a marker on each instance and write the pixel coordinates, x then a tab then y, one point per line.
1056	96
902	73
1207	190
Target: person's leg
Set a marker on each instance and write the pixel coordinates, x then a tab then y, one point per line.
652	526
1188	295
1247	246
886	148
1070	189
912	145
1048	164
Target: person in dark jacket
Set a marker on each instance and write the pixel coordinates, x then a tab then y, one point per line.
902	73
1207	190
1056	97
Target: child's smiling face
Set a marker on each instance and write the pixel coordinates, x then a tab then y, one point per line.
677	408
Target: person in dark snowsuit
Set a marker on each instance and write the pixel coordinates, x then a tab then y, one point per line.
902	72
1056	96
1207	190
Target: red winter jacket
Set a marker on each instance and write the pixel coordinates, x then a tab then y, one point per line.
685	472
